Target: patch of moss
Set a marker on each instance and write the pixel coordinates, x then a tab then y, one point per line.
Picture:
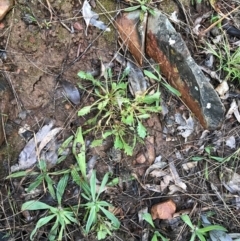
110	11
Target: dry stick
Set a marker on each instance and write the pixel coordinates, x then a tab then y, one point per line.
50	10
217	22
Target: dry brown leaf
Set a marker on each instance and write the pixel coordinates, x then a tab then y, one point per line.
163	210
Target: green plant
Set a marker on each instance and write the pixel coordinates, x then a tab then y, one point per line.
97	217
199	232
143	6
44	175
228	58
147	217
62	216
208	150
117	114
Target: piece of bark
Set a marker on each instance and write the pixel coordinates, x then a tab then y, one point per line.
166	47
5	6
132	32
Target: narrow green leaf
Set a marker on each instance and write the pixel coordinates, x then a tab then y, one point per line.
129	119
200	236
160	236
114	182
36	205
154	237
216	158
211	228
151	11
125	73
187	220
106	134
102	104
143	116
208	150
171	89
61	188
98	142
53	231
111	217
80	155
61	159
127	149
91	219
103	204
148	217
144	8
118	144
197	158
85	110
133	8
22	174
142	131
103	184
84	75
50	186
42	165
71	218
65	145
41	222
36	183
93	185
75	175
150	75
150	99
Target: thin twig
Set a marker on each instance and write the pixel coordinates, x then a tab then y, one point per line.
217	22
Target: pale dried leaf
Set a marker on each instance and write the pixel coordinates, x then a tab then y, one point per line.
158	173
50	136
222	89
176	177
196	29
231	181
152	187
91	17
231	142
237	115
165	182
174	17
232	109
189	165
28	156
173	189
186	125
212	73
141	213
157	165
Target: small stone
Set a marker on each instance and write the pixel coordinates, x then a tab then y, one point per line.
67	106
78	26
5	6
141	159
164	210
